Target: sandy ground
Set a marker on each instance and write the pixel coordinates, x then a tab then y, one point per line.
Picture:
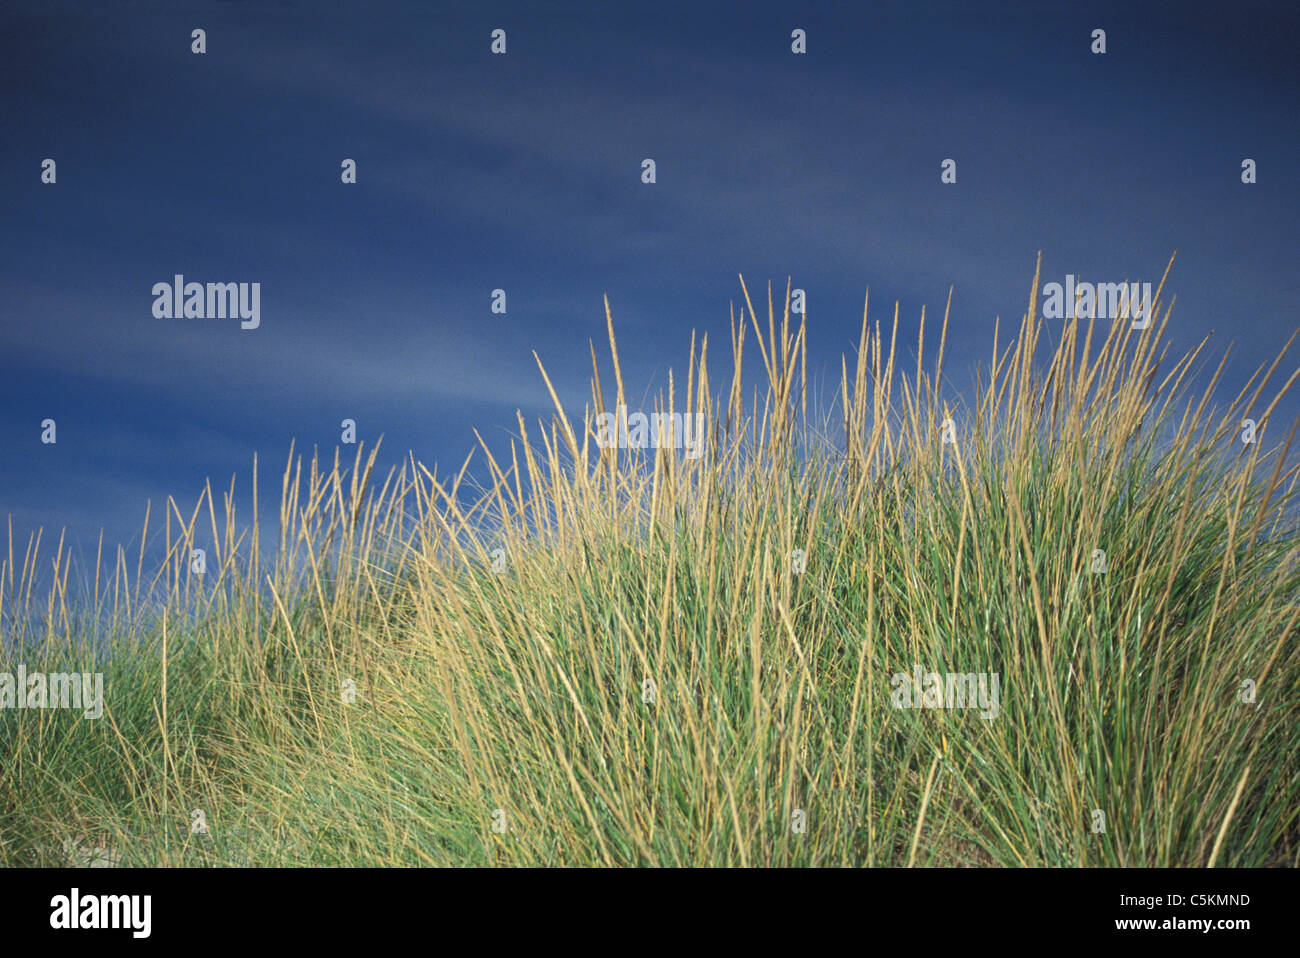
78	855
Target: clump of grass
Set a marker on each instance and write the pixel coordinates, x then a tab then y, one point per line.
618	657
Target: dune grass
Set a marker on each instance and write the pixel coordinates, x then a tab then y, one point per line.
618	657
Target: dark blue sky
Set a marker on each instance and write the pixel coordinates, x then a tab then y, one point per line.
523	172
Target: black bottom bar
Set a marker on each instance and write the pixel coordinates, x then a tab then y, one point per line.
335	908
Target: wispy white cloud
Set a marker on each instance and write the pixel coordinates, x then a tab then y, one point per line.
79	334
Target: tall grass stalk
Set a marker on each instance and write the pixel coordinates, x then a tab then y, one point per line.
617	656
